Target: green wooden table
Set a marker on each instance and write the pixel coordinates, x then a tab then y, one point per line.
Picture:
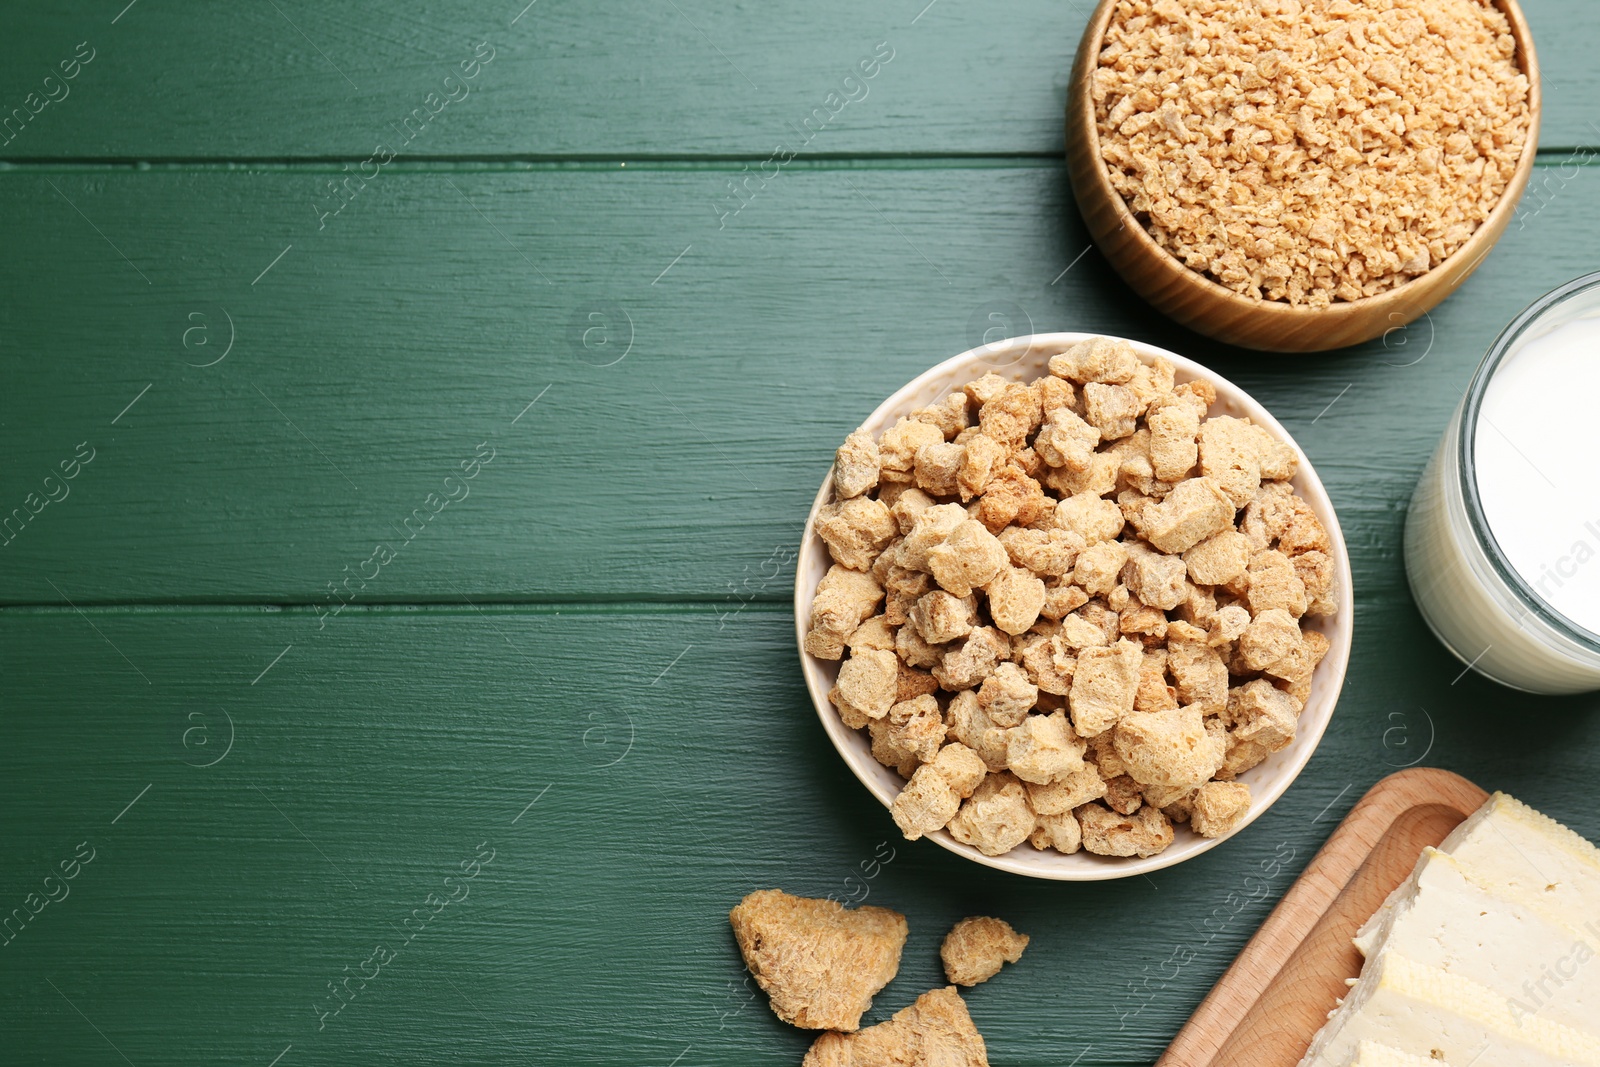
523	295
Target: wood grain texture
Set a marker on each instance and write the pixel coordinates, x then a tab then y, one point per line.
383	348
1208	307
1278	993
619	80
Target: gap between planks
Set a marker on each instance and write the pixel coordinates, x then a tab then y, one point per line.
538	162
489	164
686	605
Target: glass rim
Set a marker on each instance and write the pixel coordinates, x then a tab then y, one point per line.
1466	447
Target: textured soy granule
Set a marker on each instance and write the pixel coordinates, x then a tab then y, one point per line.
1310	150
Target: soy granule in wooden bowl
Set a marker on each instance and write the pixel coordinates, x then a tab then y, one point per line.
1308	151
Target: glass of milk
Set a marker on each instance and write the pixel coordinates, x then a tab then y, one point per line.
1503	537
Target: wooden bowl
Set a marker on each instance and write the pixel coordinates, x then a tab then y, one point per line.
1022	359
1208	307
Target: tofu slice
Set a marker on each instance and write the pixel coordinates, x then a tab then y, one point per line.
1448	916
1422	1011
1510	844
1372	1054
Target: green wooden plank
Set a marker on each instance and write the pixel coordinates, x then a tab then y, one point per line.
373	757
619	80
374	357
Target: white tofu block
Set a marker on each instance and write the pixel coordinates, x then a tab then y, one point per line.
1448	915
1423	1011
1510	844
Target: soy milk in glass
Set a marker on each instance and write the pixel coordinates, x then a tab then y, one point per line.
1503	537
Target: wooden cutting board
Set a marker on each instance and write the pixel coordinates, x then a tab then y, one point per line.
1267	1006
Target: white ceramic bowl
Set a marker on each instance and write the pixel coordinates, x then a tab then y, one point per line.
1024	359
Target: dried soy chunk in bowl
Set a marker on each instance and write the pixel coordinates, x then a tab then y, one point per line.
1070	612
